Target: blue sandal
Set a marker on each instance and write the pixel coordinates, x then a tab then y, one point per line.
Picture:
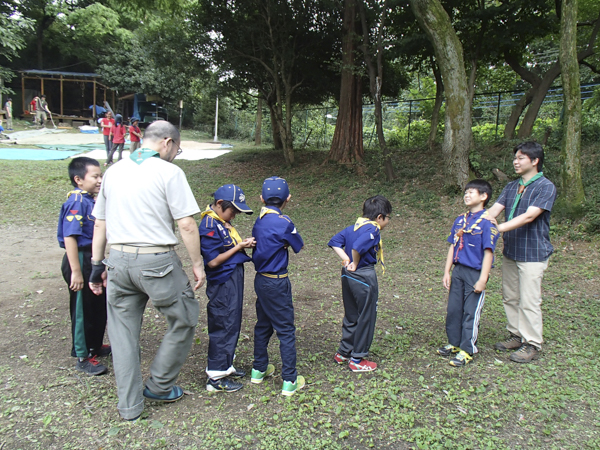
175	394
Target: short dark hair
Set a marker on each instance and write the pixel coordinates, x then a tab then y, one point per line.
481	186
78	168
532	150
375	206
225	205
274	201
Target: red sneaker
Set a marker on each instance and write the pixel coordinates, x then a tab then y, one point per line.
362	366
340	359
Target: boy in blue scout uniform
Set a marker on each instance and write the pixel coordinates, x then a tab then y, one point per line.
224	256
75	232
472	243
360	248
274	233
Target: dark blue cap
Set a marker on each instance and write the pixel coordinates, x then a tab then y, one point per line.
275	187
233	194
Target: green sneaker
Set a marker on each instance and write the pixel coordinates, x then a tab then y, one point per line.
290	388
258	377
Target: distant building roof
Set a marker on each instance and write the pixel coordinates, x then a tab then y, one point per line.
53	72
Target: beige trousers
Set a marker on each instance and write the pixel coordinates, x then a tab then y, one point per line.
522	292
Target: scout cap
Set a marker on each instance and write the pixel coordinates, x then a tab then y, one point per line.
275	187
233	194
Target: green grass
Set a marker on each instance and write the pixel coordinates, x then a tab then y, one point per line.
414	400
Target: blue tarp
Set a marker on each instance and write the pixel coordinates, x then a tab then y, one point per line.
31	154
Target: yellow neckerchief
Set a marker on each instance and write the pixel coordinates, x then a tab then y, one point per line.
266	210
364	221
232	231
458	236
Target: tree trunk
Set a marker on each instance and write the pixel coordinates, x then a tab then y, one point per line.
347	144
39	41
572	186
539	94
515	115
376	81
277	143
258	130
437	106
458	136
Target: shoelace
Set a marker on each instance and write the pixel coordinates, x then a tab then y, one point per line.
93	360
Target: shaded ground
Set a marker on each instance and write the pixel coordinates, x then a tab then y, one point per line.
415	400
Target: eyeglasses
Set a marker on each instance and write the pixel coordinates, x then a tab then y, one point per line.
179	149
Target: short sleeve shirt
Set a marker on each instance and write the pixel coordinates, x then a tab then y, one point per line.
133	137
141	202
214	240
105	121
483	235
119	132
365	240
274	233
531	242
76	219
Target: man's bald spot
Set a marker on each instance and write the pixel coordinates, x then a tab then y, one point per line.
160	130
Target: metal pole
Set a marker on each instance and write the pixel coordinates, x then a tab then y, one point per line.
409	114
180	113
498	114
217	120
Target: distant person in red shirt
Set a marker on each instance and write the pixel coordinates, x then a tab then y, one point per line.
118	132
107	123
32	108
135	135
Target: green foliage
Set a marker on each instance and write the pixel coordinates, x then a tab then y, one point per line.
12	40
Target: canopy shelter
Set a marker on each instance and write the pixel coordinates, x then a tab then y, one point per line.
69	94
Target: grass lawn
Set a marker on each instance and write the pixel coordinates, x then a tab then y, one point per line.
414	400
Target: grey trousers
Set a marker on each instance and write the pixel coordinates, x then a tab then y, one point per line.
132	280
360	292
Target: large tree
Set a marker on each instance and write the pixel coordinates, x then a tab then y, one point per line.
347	144
572	186
458	137
11	41
283	49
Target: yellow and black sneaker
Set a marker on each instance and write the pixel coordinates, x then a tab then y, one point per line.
447	350
462	359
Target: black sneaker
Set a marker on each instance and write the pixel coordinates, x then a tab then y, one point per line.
105	350
447	350
91	366
223	385
239	373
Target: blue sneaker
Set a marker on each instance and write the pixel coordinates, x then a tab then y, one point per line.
223	385
175	394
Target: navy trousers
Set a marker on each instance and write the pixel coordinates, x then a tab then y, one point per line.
275	311
464	309
224	314
360	292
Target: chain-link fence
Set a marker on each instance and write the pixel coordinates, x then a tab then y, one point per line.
405	122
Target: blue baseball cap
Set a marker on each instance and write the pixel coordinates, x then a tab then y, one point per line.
233	194
275	187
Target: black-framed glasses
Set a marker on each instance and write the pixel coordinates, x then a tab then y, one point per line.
179	149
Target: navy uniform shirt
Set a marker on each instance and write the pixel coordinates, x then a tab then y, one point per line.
364	240
531	242
484	235
76	219
214	240
274	233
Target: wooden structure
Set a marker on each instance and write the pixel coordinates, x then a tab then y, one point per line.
68	110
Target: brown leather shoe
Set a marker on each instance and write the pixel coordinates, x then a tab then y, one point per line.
512	343
525	354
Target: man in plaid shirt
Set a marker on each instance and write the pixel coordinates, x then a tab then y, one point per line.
526	203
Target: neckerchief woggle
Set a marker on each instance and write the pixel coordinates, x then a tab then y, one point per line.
522	187
364	221
266	210
232	231
458	236
142	154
